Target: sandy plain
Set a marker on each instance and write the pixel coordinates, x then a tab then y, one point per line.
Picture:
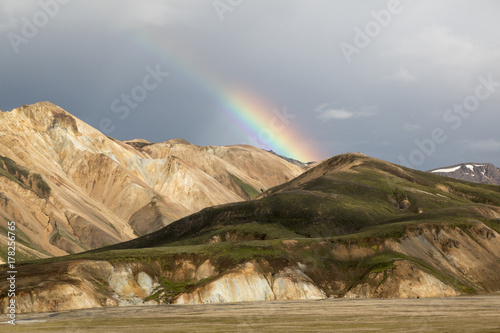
478	313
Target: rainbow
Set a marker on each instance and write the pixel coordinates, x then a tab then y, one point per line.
248	113
263	128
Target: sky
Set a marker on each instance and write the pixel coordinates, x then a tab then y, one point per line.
416	83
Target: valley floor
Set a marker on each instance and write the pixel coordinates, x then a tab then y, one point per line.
479	313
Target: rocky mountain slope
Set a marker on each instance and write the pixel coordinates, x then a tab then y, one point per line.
294	161
69	188
484	173
352	226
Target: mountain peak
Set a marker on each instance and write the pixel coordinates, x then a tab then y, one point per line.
46	107
104	190
46	116
179	141
345	160
301	164
485	173
137	140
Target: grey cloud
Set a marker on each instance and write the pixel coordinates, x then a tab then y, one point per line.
488	145
285	52
326	112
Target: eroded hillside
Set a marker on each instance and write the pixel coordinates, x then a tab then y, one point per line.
69	188
352	226
426	261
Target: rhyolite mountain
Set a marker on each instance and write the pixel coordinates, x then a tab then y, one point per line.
69	188
350	226
484	173
294	161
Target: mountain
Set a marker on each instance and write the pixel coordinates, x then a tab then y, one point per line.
294	161
340	196
351	226
69	188
484	173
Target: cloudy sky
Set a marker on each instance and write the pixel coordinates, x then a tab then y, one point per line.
412	82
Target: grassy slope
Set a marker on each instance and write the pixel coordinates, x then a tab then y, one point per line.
246	188
356	195
22	176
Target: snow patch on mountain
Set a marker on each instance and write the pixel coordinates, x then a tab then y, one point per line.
485	173
447	169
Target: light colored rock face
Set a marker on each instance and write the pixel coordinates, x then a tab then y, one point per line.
122	281
103	191
85	284
100	283
204	271
246	284
455	253
405	280
468	259
471	258
146	282
57	298
291	283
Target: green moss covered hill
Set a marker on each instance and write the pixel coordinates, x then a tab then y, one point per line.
349	194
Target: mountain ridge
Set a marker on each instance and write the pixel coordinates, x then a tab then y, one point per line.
484	173
105	188
390	193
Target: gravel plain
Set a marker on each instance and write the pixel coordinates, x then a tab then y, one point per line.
478	313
